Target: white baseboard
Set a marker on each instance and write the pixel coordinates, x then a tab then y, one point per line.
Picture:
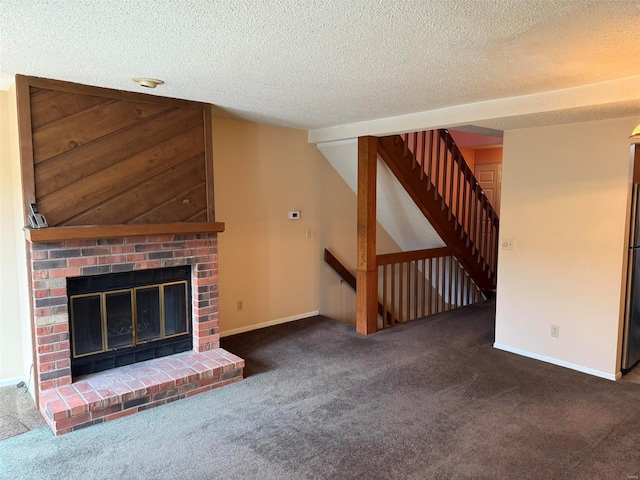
270	323
560	363
11	382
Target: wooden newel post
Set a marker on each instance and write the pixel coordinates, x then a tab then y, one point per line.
367	269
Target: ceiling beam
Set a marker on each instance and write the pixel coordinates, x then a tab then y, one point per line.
601	100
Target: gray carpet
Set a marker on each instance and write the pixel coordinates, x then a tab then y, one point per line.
427	400
17	412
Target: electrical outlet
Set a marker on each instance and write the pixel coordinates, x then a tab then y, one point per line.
507	244
240	305
555	331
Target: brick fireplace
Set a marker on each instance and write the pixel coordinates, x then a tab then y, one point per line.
125	181
69	403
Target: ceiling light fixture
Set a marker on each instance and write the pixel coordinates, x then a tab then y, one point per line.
148	82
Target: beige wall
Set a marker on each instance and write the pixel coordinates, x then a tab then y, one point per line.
265	259
565	200
15	336
261	173
9	318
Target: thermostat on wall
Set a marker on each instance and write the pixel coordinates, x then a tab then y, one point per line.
294	215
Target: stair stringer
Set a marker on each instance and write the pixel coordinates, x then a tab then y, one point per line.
432	206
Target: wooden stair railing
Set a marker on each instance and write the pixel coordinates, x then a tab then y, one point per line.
416	284
420	283
348	277
433	171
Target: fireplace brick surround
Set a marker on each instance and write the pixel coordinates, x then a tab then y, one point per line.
68	405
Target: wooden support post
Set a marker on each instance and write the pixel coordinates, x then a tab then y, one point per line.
367	269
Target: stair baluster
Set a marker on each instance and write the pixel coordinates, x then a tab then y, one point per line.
466	220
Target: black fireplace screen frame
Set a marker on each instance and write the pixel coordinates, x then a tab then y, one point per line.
100	286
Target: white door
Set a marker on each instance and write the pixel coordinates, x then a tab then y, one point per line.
489	176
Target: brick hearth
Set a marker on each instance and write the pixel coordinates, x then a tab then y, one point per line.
67	404
122	391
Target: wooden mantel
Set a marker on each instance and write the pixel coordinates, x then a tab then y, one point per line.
55	234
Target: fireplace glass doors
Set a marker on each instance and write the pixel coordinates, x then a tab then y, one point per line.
124	318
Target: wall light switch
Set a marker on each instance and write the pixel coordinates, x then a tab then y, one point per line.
294	215
507	244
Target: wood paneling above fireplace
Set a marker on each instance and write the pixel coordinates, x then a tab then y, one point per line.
94	156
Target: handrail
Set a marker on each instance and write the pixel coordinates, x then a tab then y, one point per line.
397	257
458	191
340	269
428	282
459	158
348	277
486	241
420	283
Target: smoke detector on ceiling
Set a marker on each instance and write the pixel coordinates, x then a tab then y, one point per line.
148	82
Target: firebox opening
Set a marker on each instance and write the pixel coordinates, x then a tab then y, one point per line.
123	318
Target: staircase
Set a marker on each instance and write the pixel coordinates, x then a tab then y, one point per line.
434	173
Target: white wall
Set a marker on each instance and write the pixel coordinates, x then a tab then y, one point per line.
565	199
395	209
9	314
15	333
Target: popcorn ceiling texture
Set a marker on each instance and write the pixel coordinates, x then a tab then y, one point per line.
312	64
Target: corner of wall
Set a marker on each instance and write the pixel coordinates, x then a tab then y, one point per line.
23	349
275	265
565	201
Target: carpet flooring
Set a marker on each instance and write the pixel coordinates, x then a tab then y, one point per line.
18	413
427	400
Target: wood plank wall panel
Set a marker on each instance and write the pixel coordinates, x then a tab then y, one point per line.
106	151
49	105
103	157
88	125
200	217
146	196
92	190
194	202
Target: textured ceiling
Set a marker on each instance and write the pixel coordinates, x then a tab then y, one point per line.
314	64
